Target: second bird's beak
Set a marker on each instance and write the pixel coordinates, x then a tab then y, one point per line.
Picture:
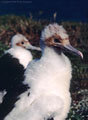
73	50
33	47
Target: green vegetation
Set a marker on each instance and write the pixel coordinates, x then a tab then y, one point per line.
3	47
78	34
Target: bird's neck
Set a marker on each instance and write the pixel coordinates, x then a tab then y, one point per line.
58	65
54	57
24	56
52	53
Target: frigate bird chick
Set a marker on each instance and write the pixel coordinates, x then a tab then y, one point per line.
12	66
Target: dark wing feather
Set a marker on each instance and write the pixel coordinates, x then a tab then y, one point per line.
11	79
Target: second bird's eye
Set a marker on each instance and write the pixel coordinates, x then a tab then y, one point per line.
22	43
56	40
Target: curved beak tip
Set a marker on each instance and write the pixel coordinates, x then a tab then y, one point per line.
74	50
81	55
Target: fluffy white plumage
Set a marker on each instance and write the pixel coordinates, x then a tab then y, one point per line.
49	81
53	30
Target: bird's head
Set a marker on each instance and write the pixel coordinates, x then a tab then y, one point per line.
19	40
55	35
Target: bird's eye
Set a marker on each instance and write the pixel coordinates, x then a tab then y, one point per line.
56	41
22	43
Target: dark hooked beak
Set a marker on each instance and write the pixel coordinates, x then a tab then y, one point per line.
73	50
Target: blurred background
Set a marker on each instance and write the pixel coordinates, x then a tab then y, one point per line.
29	17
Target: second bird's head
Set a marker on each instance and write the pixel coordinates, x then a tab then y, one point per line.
20	41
